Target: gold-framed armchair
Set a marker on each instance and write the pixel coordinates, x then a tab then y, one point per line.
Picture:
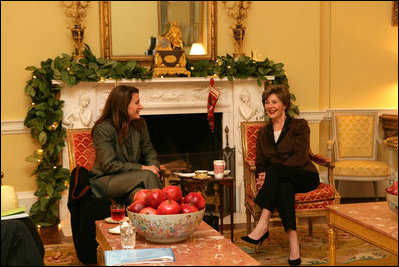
80	148
354	147
309	205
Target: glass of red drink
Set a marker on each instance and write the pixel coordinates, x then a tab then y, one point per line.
117	212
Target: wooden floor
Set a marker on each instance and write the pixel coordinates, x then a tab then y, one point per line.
52	235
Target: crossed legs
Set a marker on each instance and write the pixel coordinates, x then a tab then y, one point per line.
278	192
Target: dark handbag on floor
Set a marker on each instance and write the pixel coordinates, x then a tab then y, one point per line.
85	210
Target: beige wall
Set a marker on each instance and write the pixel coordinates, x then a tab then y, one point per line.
31	32
347	61
368	78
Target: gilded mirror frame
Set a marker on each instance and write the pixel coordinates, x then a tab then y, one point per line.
106	36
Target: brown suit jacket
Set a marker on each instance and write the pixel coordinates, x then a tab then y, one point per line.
291	149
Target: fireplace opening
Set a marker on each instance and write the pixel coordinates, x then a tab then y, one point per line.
185	143
186	138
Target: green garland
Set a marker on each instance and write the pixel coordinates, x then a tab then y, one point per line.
243	68
44	117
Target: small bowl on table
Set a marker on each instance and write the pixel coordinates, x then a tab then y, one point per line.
166	228
392	201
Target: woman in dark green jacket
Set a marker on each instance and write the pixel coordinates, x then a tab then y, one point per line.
126	160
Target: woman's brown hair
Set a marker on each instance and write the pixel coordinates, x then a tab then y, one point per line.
115	110
282	92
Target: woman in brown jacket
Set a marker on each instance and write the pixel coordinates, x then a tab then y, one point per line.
126	160
283	166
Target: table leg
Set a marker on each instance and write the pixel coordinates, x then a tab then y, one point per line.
332	237
100	256
221	190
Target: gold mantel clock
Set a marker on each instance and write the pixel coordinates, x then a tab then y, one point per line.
170	58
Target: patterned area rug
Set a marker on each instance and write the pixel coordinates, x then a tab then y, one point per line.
61	255
351	251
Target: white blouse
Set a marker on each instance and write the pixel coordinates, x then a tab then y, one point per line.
276	135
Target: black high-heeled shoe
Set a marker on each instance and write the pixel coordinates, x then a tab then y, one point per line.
255	242
295	262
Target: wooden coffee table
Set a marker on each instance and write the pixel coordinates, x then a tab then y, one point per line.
373	222
205	247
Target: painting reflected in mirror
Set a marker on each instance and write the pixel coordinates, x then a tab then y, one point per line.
130	29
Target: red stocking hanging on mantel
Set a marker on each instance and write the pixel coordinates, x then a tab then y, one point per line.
212	99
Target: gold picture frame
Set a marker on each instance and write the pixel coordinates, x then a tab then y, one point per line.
107	44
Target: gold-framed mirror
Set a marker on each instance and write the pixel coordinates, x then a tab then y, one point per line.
128	28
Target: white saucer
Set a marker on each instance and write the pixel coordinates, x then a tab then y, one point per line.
116	230
109	220
226	172
184	175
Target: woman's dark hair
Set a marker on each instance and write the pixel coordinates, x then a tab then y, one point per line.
115	110
282	92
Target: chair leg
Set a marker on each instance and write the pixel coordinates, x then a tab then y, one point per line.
248	215
310	226
257	248
375	190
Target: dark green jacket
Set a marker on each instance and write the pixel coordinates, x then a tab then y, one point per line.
114	158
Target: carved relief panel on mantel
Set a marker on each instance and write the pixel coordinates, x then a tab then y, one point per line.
239	100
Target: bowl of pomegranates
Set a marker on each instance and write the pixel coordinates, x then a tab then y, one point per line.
392	197
165	215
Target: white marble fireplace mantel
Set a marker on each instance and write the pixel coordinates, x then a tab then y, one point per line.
239	100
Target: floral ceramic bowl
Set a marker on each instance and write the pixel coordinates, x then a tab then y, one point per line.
166	228
392	201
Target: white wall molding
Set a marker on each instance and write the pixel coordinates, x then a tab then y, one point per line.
26	199
13	127
314	116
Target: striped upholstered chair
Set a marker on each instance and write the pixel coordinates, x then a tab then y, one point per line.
311	204
354	145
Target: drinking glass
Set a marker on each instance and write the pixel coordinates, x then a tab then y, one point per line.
117	212
128	234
